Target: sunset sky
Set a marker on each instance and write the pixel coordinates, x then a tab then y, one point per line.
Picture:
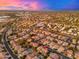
39	4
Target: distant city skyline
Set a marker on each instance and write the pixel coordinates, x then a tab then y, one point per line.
39	4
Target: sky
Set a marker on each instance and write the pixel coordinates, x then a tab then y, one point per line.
39	4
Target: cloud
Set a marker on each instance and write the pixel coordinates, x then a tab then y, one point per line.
32	6
20	4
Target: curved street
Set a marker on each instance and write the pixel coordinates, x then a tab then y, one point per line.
6	45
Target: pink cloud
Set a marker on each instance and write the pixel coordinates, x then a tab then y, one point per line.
31	6
24	4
